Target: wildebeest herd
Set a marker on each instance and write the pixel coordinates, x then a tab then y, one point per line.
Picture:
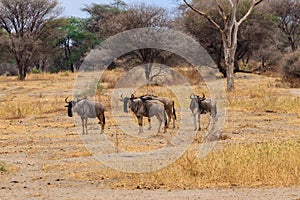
163	108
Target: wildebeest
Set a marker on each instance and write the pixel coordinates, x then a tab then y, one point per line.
202	105
86	109
168	103
148	108
169	106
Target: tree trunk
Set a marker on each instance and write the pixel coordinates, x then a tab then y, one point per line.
229	54
230	76
148	68
22	72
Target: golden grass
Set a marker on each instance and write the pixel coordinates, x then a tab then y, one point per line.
39	94
240	165
270	162
17	109
264	96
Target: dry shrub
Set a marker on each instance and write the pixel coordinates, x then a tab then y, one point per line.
110	78
291	68
12	110
8	69
191	74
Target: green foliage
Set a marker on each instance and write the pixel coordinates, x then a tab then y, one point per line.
76	41
100	14
55	69
36	71
2	167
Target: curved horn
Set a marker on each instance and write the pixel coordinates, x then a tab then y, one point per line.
132	91
192	96
122	96
66	100
203	95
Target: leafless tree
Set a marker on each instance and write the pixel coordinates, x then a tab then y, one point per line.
24	22
228	29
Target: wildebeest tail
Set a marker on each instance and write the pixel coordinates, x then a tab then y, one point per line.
174	112
166	119
103	118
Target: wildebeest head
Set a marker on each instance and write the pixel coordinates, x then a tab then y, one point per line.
196	101
125	101
70	105
135	104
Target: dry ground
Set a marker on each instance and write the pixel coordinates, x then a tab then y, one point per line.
43	156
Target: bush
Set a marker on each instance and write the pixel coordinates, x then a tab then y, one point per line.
36	71
290	64
8	70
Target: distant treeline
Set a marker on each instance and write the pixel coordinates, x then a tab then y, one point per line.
34	38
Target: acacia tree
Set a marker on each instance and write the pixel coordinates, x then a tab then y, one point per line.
112	20
24	22
99	14
228	28
287	14
76	41
141	16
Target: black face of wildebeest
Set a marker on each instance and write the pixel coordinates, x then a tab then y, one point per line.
70	106
196	103
125	104
125	101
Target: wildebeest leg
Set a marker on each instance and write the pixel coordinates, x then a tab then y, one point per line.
195	122
169	113
83	125
173	115
160	119
199	122
86	121
101	118
149	121
173	118
165	120
140	121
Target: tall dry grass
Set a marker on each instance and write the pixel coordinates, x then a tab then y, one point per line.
264	96
236	165
39	94
18	108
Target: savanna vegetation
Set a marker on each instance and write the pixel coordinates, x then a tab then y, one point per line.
41	54
260	145
267	36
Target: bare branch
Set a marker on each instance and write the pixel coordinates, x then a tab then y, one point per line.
257	2
221	11
254	3
209	18
231	3
157	74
